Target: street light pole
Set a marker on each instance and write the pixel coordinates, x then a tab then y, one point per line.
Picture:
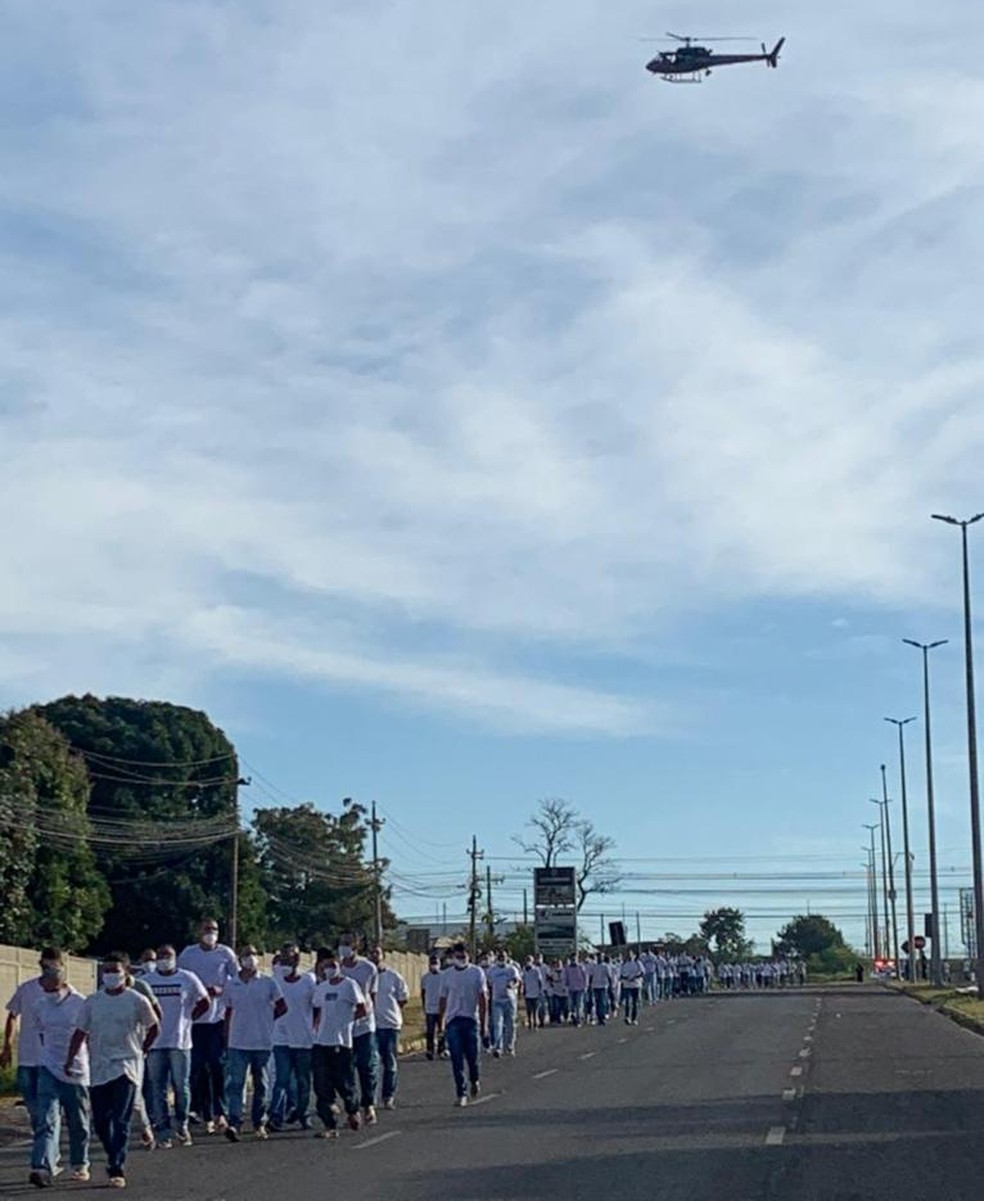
873	887
935	961
883	806
975	798
910	914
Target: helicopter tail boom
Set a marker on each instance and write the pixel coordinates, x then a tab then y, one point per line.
772	56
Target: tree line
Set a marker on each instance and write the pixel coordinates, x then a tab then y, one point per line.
117	819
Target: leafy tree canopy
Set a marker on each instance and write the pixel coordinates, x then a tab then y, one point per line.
809	934
723	931
52	890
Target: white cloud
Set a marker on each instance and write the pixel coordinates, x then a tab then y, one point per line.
397	318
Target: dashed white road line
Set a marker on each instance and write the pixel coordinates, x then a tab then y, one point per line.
805	1053
374	1142
588	1055
775	1136
789	1094
797	1071
544	1075
622	1040
484	1100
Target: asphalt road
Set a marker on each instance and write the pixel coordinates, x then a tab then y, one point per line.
845	1094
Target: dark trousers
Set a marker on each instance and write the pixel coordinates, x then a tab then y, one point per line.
463	1046
366	1067
630	1002
112	1109
208	1098
434	1033
333	1072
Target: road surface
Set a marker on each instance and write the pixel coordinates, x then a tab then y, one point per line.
795	1094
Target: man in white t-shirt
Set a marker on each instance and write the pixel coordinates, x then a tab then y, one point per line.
600	979
363	972
504	979
293	1037
253	1002
182	998
213	963
464	1008
338	1004
21	1007
56	1015
534	987
630	975
120	1026
392	995
430	998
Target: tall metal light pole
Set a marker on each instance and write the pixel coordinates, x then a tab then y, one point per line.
873	887
910	913
883	806
935	961
975	798
375	825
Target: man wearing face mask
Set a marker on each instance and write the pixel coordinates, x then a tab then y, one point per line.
338	1003
364	973
464	1007
182	998
504	979
120	1027
56	1017
21	1007
253	1002
214	964
430	996
293	1037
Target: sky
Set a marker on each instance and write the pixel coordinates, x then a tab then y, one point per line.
462	417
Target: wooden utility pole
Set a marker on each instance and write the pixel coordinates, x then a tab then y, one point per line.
474	892
233	932
376	824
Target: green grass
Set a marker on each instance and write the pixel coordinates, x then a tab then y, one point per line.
962	1007
7	1088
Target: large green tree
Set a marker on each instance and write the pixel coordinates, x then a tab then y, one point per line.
163	807
315	873
808	935
723	930
52	890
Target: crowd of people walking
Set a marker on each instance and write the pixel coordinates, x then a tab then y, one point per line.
171	1044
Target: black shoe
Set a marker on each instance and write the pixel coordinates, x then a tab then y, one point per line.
232	1134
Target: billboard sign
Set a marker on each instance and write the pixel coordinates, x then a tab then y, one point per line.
554	887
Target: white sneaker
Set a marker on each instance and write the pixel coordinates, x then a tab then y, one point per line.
461	1102
79	1174
369	1115
389	1103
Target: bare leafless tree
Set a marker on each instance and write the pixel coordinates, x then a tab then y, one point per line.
596	872
554	831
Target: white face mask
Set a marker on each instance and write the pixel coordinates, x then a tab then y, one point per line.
113	980
210	938
249	963
167	964
344	952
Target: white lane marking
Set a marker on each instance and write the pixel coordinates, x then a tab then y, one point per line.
483	1100
808	1038
374	1142
544	1075
588	1055
805	1053
796	1071
622	1040
775	1136
789	1094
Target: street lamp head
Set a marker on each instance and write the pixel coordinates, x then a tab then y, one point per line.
900	721
941	642
973	520
943	517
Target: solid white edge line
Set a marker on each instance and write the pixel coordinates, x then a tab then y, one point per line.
544	1075
374	1142
775	1136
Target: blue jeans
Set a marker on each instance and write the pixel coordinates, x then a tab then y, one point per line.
291	1083
257	1064
577	1006
112	1109
168	1065
387	1042
630	1002
601	1005
26	1083
366	1068
504	1024
462	1035
53	1096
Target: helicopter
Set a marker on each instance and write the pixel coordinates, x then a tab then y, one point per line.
688	63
